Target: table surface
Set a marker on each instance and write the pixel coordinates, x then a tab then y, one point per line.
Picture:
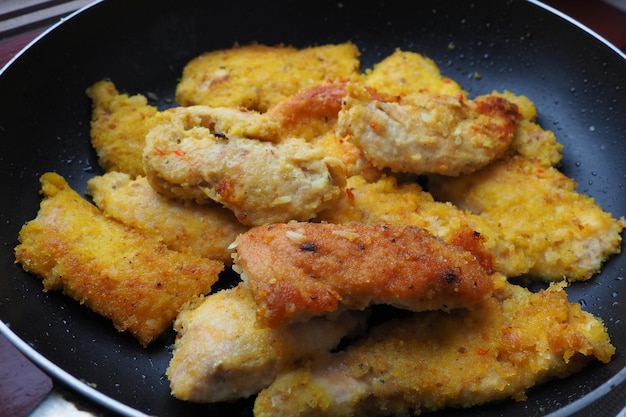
22	21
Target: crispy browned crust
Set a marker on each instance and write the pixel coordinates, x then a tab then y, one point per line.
298	270
432	360
124	274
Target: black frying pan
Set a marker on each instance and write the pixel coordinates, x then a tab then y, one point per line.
577	81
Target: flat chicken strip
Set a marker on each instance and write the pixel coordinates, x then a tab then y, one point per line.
386	201
119	124
434	360
202	229
124	274
563	233
429	133
260	181
300	270
220	353
258	77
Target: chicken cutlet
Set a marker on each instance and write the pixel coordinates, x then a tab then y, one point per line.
300	270
119	272
531	140
388	201
221	354
203	229
258	77
119	124
405	73
537	208
432	360
312	114
260	181
430	133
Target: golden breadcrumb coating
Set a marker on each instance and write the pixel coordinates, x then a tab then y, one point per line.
119	124
258	76
312	114
429	133
300	270
385	201
124	274
531	140
434	360
564	233
204	230
405	73
260	181
221	354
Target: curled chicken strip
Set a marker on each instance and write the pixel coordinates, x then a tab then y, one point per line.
430	133
300	270
196	153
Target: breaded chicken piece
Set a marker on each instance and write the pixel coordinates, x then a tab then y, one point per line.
564	233
221	354
119	124
405	73
434	360
312	114
124	274
258	76
204	230
531	140
385	201
260	181
429	133
300	270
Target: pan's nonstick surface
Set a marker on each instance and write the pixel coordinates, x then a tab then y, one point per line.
577	82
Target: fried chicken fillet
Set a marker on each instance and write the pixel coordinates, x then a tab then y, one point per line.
563	233
428	361
221	354
122	273
258	77
119	124
407	73
428	133
300	270
202	229
188	156
388	201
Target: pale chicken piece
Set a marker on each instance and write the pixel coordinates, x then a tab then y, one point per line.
300	270
119	124
428	133
203	229
386	201
259	76
565	234
433	360
191	153
221	354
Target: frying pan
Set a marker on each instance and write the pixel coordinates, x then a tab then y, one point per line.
577	81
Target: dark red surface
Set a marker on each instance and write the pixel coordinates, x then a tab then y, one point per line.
22	384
